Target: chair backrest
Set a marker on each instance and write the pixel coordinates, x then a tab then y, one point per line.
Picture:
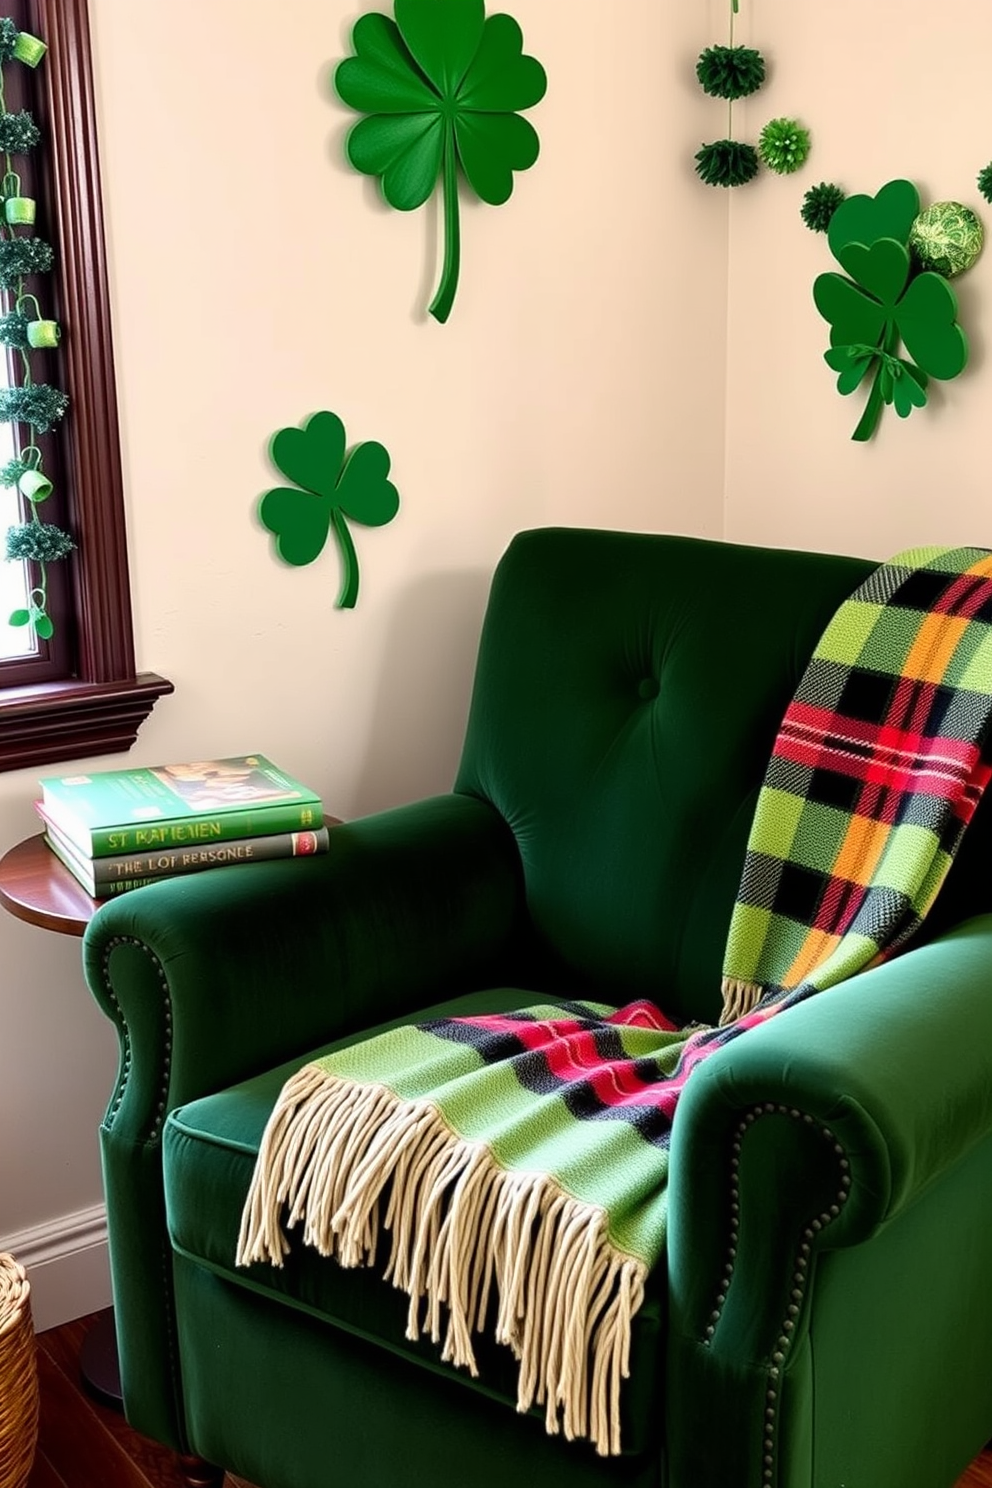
628	693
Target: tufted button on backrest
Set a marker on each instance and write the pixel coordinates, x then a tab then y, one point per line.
627	698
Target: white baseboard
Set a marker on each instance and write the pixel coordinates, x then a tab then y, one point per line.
67	1266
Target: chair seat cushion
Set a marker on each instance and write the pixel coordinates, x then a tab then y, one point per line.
210	1148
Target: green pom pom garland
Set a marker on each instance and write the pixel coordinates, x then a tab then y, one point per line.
20	257
727	162
35	403
38	542
784	145
985	182
11	473
819	205
14	330
18	133
730	71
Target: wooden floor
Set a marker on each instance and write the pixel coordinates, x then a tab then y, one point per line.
83	1444
979	1474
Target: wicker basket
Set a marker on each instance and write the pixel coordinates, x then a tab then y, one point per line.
18	1376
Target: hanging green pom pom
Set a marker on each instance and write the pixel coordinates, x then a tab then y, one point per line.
18	133
40	542
14	330
11	473
819	205
784	145
727	163
36	404
985	182
730	72
20	257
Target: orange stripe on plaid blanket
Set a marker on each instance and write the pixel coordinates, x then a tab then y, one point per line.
937	640
862	847
815	948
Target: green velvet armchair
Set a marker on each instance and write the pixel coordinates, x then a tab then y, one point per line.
627	696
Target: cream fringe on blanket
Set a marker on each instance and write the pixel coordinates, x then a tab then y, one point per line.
738	998
460	1225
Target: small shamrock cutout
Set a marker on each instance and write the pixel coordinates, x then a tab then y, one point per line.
442	86
882	302
330	487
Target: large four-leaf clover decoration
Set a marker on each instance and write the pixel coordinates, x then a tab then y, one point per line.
884	302
442	86
329	488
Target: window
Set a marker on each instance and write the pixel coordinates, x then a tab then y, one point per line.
78	694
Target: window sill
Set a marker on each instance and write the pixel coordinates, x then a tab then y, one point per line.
70	720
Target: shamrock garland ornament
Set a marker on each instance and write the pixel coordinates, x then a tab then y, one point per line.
885	301
24	330
329	488
441	86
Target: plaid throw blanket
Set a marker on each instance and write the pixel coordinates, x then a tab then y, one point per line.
876	772
519	1161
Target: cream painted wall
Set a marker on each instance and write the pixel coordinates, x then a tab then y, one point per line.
256	279
888	89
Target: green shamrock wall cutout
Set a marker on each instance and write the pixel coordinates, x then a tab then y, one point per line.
441	86
329	488
887	301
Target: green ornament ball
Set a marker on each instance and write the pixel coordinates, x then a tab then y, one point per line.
726	162
947	238
784	145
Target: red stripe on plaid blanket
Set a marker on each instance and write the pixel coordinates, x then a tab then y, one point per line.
571	1056
966	594
923	777
888	738
834	914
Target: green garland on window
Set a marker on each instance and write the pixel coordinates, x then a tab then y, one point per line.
35	406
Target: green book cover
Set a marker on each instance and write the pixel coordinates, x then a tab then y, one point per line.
103	812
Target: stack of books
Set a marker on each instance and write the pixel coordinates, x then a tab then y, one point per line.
118	829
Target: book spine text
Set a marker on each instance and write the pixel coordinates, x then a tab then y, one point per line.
180	834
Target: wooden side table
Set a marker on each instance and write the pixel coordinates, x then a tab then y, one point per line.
36	887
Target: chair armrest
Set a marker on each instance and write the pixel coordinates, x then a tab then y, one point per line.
212	977
807	1134
239	968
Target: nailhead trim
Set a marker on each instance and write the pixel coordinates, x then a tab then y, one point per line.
165	1254
126	1060
801	1269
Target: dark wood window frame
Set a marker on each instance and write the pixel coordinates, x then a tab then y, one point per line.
99	707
